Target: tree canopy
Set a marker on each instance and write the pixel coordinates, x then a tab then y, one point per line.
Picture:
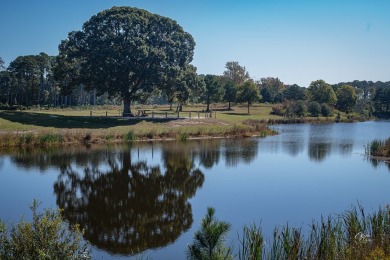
214	90
271	89
128	52
346	98
249	93
322	92
236	72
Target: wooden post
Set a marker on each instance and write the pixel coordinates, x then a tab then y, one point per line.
106	114
178	114
190	115
90	113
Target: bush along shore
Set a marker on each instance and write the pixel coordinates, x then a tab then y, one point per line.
379	149
350	235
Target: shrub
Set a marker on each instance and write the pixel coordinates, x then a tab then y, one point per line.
325	110
130	136
379	148
278	109
298	108
50	138
47	237
182	137
314	108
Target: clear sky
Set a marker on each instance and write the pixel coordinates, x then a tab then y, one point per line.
296	40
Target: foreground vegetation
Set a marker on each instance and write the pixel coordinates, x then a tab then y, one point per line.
350	235
46	237
379	148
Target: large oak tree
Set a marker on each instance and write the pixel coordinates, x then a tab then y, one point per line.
128	52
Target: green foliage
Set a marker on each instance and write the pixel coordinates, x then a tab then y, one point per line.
50	138
130	136
214	90
314	108
272	89
252	243
231	89
295	92
46	237
209	239
248	92
235	72
296	108
144	50
28	79
352	235
326	110
183	86
182	137
346	98
322	92
381	101
379	148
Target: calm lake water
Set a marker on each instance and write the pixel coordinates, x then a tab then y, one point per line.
149	198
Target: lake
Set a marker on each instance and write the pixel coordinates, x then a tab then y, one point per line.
148	198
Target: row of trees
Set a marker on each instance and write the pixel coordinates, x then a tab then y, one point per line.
365	97
30	80
126	55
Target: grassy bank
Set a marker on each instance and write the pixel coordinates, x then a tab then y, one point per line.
42	127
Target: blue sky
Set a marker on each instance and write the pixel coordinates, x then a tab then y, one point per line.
296	40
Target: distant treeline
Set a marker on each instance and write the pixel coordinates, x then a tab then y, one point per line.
34	80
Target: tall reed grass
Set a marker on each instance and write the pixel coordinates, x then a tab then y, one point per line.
379	148
351	235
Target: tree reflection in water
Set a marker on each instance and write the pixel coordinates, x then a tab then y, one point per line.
318	151
131	206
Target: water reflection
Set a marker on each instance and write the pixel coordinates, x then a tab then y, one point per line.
240	150
318	151
131	206
376	163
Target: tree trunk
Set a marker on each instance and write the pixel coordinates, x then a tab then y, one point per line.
179	107
208	104
229	106
126	106
248	107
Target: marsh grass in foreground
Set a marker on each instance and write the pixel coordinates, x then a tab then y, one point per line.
351	235
379	148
